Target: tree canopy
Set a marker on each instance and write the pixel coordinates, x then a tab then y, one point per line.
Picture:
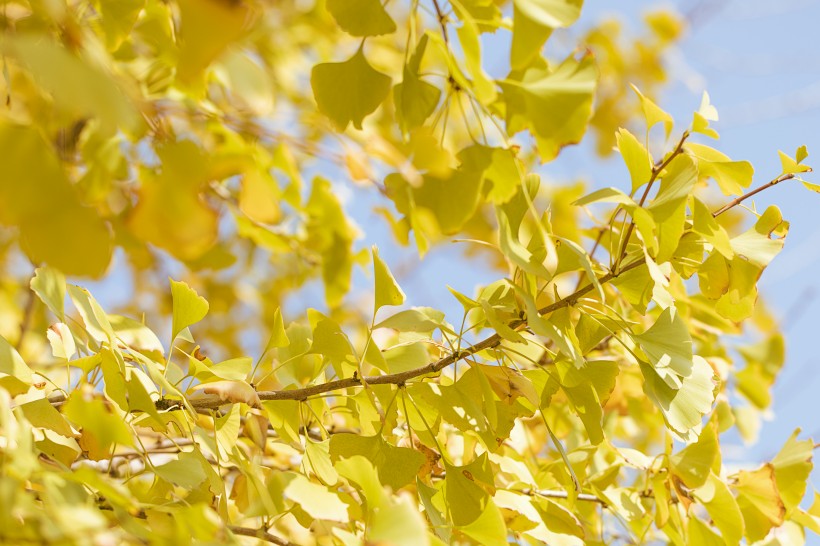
188	159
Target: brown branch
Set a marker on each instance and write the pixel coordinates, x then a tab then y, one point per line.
656	171
549	494
742	198
260	534
402	377
442	20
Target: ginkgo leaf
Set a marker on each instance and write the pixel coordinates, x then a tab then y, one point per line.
397	466
668	346
759	501
49	285
529	37
361	17
653	113
387	291
551	13
206	28
792	466
793	166
316	499
722	508
94	317
683	408
694	463
348	91
170	212
36	196
635	156
731	176
189	307
15	375
466	490
61	340
399	524
554	105
78	86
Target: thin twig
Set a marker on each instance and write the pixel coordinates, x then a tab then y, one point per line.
656	171
441	21
548	494
402	377
742	198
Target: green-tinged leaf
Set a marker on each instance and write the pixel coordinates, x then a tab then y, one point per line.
731	176
15	376
488	528
677	184
388	291
332	343
361	473
348	91
560	520
278	335
683	408
80	87
405	357
135	334
415	98
399	524
700	534
703	223
36	196
467	490
397	466
637	159
606	195
555	106
316	500
422	320
317	461
184	471
100	427
189	307
668	346
528	39
94	318
361	17
722	508
693	464
792	467
49	285
588	390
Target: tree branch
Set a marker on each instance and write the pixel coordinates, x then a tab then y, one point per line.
260	534
402	377
656	171
742	198
441	20
213	401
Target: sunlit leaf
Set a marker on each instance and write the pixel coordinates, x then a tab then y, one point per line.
348	91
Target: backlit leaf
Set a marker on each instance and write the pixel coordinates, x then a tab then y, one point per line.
348	91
